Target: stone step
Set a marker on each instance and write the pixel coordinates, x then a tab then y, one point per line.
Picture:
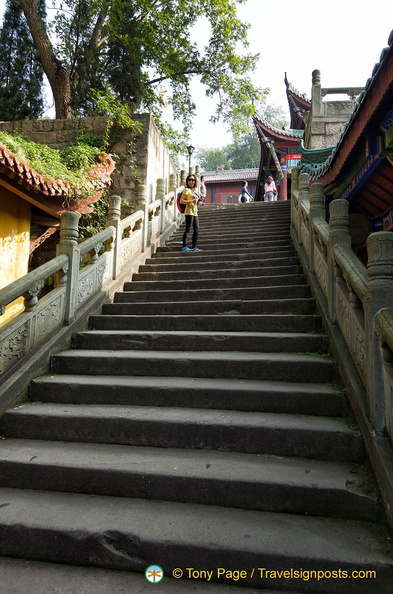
272	342
299	436
204	272
228	394
241	268
121	319
131	534
247	481
224	282
197	293
226	364
21	576
279	257
213	307
244	235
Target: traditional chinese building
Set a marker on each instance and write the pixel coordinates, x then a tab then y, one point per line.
223	187
30	210
280	148
359	167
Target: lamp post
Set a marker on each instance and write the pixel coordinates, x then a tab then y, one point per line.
190	150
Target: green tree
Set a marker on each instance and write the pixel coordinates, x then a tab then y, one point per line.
244	153
21	72
211	159
143	52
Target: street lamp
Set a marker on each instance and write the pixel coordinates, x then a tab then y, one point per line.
190	150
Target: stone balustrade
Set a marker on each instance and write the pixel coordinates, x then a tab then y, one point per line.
108	259
356	303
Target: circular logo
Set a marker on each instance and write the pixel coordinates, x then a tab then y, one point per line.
154	574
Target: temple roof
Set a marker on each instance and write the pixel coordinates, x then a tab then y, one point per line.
50	195
273	133
299	106
374	101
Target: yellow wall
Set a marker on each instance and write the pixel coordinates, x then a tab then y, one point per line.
15	217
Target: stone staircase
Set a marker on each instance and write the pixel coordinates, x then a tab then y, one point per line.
197	425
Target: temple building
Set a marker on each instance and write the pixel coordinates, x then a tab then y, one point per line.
280	148
223	187
359	167
30	210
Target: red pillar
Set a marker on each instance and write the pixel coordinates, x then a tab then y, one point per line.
282	190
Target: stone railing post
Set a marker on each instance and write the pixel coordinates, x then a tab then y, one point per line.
183	177
294	190
68	245
338	235
198	178
160	195
113	220
317	201
173	188
142	200
379	295
304	194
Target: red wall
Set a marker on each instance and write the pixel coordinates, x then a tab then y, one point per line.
229	191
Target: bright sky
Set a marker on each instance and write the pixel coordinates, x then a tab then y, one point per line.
341	38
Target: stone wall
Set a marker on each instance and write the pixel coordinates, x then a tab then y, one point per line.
149	158
327	118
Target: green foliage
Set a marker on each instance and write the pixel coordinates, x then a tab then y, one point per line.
211	159
21	73
147	52
93	222
245	151
69	166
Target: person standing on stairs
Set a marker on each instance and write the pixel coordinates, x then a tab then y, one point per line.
270	190
191	199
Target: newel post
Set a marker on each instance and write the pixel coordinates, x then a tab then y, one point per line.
183	177
113	220
317	210
142	200
304	195
338	235
173	188
69	245
379	295
294	197
160	195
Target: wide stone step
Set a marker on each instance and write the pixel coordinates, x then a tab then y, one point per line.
212	268
247	481
280	257
299	436
21	576
213	307
224	282
120	319
246	234
131	534
198	293
203	272
272	342
227	364
230	394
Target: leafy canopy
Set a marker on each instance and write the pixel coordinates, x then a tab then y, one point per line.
145	53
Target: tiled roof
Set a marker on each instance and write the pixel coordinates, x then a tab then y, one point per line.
98	178
317	170
231	175
277	131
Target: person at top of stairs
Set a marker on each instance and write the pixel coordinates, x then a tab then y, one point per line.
191	199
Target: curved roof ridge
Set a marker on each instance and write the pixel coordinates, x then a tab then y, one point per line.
283	132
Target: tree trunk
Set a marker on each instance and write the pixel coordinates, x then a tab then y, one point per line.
59	78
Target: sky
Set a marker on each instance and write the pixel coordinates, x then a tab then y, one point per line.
341	38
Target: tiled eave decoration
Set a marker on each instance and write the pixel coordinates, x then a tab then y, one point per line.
229	176
51	194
